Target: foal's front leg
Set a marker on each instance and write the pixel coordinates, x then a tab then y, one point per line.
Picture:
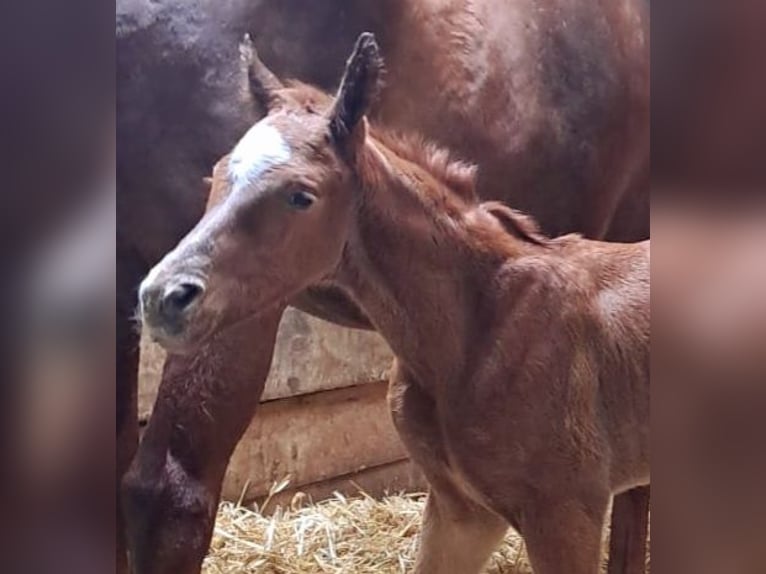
458	536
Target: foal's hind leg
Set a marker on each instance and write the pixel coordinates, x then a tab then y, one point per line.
628	537
563	535
458	536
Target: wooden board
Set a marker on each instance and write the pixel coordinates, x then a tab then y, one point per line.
312	438
378	481
313	355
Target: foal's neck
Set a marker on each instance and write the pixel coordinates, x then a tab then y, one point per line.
417	268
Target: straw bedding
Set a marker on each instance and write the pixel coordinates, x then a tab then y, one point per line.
341	535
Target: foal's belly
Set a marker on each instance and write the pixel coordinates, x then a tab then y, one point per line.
500	465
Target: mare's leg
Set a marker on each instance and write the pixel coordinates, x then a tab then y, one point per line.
458	536
563	533
630	525
204	404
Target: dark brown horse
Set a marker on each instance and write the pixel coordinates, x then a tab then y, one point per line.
522	378
555	119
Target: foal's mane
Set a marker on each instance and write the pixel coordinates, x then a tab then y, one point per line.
459	177
456	175
516	223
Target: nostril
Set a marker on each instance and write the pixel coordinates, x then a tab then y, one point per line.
180	297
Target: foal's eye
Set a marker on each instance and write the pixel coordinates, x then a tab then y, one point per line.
301	199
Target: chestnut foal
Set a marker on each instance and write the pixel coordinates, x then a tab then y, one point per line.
521	383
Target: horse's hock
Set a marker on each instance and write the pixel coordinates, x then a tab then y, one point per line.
323	422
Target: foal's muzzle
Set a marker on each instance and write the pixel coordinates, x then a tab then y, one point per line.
165	306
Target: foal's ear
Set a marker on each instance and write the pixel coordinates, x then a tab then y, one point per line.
264	85
361	82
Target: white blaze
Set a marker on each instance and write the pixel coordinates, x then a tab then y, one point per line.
261	148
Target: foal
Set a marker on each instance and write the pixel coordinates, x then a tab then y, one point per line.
521	384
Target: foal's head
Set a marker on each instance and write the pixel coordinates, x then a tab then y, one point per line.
279	206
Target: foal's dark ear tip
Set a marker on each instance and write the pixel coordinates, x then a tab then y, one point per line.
367	45
367	41
246	48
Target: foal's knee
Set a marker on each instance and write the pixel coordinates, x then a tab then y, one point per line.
169	518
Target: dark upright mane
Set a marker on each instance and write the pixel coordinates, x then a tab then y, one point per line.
457	175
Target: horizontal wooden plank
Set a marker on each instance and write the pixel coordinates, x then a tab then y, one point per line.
311	355
312	438
391	478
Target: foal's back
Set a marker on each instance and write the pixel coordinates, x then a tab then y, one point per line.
568	370
596	293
